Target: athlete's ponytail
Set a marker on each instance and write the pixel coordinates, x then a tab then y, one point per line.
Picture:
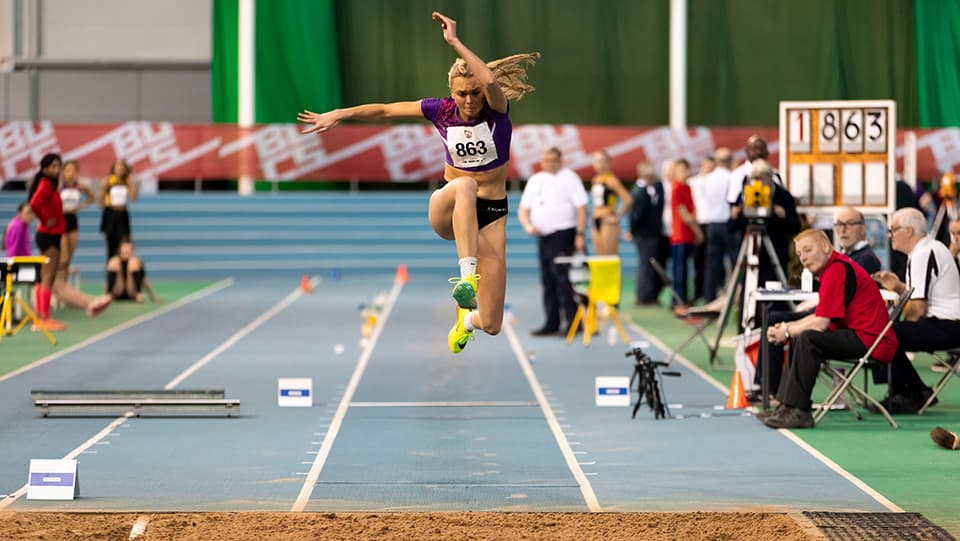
510	72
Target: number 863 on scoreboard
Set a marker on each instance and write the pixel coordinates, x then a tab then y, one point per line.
839	153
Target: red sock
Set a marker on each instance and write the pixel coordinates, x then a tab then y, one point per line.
43	302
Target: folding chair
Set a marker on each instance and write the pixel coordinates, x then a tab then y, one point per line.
951	360
847	379
604	287
707	314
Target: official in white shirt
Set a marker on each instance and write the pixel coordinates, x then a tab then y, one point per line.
553	208
931	321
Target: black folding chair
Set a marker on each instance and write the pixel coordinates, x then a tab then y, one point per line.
706	314
846	379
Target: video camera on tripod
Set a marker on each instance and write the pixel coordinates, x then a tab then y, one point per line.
757	205
649	378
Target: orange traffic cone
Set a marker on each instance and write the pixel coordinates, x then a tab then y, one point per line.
401	276
737	398
305	284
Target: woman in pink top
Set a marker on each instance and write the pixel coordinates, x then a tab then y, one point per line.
16	236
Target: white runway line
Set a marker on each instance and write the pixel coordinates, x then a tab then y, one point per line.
307	489
239	335
853	479
586	489
139	527
209	290
96	439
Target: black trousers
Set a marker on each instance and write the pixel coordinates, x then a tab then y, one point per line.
555	278
808	350
928	334
775	352
648	281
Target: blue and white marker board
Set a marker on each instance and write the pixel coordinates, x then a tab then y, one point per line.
53	480
612	391
295	392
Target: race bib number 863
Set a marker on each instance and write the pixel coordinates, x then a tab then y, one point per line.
471	146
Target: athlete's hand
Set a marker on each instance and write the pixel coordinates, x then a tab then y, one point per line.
320	122
449	26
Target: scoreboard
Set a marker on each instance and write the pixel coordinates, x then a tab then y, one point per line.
839	153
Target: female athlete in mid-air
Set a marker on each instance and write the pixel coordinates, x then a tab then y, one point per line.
470	207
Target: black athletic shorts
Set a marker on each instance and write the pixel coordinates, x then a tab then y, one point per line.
488	210
71	221
46	241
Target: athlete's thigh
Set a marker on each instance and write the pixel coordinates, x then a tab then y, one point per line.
610	235
440	212
492	268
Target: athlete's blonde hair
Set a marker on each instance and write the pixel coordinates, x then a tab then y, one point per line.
510	72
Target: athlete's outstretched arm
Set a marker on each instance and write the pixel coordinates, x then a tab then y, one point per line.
491	90
321	122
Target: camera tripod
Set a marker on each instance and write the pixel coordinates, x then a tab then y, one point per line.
746	271
649	381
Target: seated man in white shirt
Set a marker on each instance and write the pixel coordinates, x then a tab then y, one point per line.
931	320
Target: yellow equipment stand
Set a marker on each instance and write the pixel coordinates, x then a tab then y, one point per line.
9	267
604	287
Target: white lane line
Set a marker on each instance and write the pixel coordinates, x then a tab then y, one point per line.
71	455
307	489
209	290
139	527
593	505
96	440
854	480
239	335
857	482
465	404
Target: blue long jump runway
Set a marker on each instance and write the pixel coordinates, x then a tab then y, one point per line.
424	430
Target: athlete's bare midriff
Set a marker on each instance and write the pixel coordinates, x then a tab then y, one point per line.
491	184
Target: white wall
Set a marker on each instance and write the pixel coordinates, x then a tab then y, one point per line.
125	29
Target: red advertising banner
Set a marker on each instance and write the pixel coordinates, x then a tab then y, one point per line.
400	153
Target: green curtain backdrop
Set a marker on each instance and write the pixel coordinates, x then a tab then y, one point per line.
938	62
296	56
297	60
223	65
603	62
745	56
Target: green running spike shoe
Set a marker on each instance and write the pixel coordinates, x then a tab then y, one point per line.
465	290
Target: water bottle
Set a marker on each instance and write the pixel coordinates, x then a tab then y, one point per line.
806	280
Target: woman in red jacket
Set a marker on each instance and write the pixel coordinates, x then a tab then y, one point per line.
51	226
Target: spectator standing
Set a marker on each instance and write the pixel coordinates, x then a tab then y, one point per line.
611	201
715	215
646	229
553	208
700	202
685	232
46	206
116	193
75	196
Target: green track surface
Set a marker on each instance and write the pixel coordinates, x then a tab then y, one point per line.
27	346
904	464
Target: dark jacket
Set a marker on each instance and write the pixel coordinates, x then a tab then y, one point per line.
646	215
